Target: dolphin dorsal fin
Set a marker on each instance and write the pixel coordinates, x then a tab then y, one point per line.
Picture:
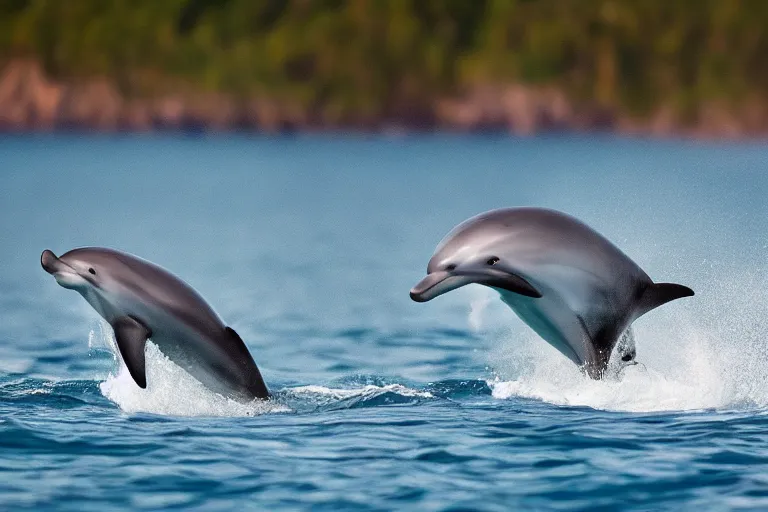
131	336
658	294
254	381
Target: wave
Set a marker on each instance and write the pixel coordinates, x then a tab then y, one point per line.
17	388
324	398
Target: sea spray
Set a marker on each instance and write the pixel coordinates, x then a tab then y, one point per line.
710	352
481	297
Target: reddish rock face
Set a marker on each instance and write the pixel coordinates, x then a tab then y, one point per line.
30	101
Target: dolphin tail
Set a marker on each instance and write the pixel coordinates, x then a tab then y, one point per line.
609	337
658	294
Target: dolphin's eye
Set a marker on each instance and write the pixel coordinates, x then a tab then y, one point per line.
450	268
92	271
492	260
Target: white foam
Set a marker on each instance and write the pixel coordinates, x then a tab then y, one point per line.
637	390
170	390
368	391
705	352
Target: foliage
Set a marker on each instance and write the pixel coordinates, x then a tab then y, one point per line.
370	58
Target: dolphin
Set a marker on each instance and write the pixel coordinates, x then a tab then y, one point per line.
571	285
141	300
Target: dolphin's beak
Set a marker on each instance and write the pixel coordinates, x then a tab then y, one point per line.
438	283
442	281
65	275
50	262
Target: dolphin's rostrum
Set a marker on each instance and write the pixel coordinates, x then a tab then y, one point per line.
141	300
571	285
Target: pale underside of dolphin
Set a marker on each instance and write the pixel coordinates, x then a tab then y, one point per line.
571	285
141	300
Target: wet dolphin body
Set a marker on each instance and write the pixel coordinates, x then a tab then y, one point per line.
567	282
141	300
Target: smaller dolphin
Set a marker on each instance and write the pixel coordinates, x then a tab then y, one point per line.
571	285
141	300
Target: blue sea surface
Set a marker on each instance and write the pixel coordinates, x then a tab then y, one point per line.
308	246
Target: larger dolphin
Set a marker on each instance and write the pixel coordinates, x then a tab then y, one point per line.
571	285
141	300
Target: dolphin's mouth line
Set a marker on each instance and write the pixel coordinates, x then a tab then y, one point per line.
65	269
62	269
440	282
422	292
64	273
67	278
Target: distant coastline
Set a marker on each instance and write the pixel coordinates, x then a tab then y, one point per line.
31	101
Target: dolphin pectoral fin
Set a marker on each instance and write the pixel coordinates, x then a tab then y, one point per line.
131	336
658	294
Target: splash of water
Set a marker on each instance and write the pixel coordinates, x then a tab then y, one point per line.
691	382
708	352
170	390
174	392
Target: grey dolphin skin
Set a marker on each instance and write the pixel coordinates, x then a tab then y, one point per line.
572	286
141	300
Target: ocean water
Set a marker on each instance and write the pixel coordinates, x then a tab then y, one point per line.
308	246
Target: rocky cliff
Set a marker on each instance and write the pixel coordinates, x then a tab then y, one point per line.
31	101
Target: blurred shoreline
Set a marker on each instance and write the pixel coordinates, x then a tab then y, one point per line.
31	101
